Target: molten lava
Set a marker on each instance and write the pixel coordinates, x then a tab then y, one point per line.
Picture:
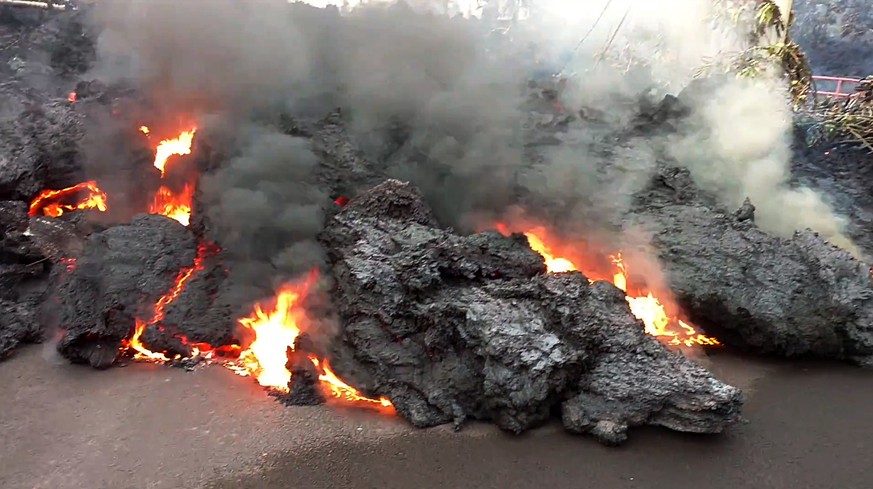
174	206
72	97
180	146
166	201
340	389
275	330
70	263
160	306
51	202
553	264
643	304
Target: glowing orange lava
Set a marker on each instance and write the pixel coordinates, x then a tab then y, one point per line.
177	207
553	264
643	304
49	202
340	389
275	330
166	201
72	97
184	274
180	146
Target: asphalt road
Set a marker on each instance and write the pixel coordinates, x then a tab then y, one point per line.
151	427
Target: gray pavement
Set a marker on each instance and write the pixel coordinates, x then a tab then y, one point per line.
147	426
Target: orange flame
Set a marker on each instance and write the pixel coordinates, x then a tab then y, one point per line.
643	304
49	201
553	264
180	146
72	97
275	331
177	207
340	389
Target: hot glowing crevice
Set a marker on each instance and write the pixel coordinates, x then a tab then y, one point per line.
174	204
50	202
274	326
643	303
134	343
340	389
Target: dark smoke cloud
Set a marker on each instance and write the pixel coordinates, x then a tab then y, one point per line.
264	209
237	64
433	100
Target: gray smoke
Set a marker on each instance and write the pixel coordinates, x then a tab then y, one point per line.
455	92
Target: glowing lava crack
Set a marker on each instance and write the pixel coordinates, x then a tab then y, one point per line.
643	304
275	330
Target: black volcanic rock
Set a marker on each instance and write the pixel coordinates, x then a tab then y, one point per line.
120	275
791	297
454	327
24	270
38	147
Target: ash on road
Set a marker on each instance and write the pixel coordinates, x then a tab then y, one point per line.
153	427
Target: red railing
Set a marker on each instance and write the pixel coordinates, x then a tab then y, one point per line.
845	87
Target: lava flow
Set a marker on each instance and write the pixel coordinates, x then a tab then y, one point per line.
166	202
179	146
50	202
174	206
275	331
134	343
643	304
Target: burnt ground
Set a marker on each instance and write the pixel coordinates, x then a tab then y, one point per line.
148	426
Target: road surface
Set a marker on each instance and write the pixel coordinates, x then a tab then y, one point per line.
153	427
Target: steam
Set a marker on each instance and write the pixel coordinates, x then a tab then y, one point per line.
744	150
454	90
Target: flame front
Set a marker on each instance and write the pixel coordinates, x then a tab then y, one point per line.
166	201
643	304
340	389
50	202
174	206
275	330
179	146
553	264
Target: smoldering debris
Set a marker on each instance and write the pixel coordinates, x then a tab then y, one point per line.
454	327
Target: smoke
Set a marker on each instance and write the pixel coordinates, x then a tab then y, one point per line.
264	208
737	146
455	89
742	148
